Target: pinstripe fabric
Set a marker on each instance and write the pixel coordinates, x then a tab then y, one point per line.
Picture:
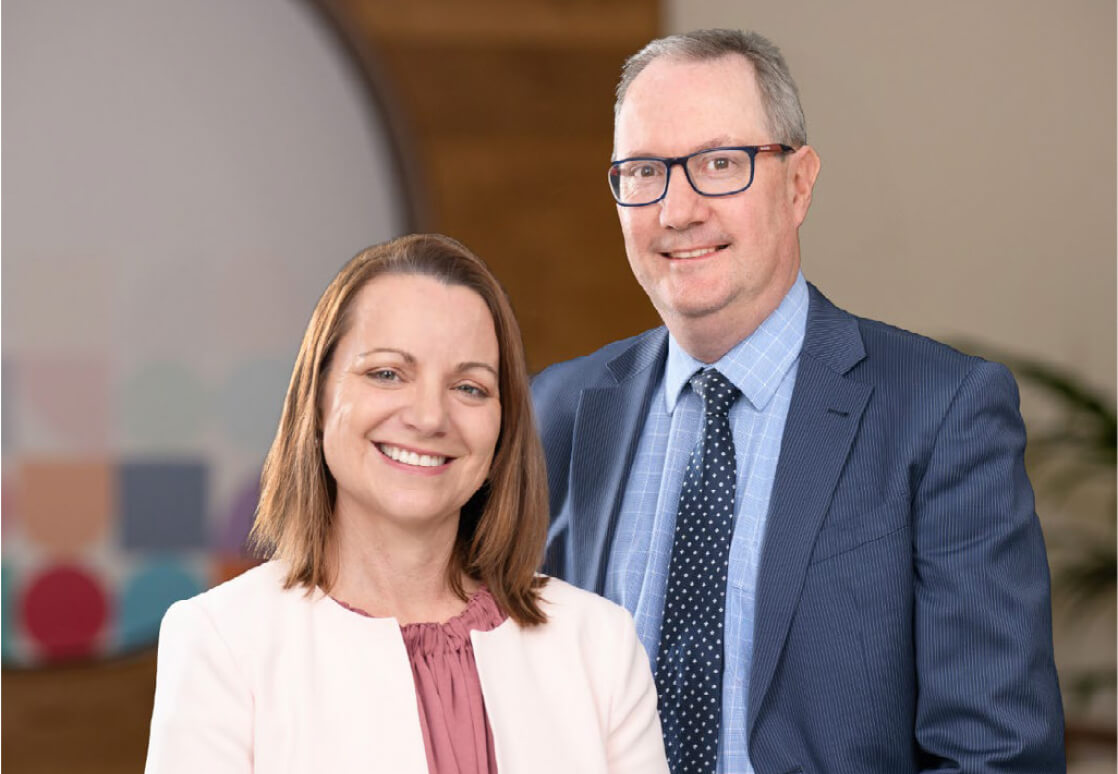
903	618
763	367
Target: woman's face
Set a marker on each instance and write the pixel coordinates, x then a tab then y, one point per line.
410	406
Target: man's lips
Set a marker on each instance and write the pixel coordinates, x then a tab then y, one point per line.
692	253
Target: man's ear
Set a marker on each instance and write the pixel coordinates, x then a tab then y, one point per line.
803	170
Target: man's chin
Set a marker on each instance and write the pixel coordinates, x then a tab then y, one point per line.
692	308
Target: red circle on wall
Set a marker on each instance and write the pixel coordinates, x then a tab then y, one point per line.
63	611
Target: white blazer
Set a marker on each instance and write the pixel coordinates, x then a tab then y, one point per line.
253	678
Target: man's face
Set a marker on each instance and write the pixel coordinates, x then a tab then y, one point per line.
728	260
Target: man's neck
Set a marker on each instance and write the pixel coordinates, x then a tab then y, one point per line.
709	337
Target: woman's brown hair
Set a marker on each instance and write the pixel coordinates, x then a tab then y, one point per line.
502	528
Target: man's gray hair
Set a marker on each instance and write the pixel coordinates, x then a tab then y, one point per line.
779	95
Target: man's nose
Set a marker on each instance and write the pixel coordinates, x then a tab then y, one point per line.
682	205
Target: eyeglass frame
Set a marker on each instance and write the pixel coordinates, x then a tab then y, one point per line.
672	161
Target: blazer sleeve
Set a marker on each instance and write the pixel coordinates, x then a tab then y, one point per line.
202	719
635	744
988	698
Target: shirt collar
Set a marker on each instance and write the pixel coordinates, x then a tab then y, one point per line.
756	364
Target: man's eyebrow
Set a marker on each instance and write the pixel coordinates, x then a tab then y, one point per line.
715	142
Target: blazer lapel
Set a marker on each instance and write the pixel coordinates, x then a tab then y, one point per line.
823	419
608	424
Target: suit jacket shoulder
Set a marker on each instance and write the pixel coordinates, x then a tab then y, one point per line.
240	608
594	370
261	585
897	362
559	390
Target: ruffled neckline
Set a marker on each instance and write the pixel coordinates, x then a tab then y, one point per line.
481	614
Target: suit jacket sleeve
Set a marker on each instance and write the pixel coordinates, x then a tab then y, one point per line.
202	720
987	693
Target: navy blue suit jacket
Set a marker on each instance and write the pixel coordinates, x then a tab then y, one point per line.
903	618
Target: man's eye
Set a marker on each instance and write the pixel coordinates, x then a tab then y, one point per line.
642	169
719	164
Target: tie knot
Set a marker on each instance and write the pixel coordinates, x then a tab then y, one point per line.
715	391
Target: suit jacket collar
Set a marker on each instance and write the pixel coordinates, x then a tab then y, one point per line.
832	335
649	349
823	420
607	426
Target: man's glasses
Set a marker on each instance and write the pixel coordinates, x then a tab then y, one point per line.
643	180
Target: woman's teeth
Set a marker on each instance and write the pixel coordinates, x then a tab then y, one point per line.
410	457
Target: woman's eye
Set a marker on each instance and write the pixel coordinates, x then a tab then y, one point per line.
472	390
383	375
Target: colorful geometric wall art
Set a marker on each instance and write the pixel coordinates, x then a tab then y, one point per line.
172	212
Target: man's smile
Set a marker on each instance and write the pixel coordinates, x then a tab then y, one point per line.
697	252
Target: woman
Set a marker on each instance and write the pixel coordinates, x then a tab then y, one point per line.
400	625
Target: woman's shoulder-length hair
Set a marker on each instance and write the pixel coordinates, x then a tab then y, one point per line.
502	528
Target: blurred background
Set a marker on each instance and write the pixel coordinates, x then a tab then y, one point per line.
181	180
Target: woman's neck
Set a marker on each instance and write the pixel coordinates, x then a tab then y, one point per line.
386	570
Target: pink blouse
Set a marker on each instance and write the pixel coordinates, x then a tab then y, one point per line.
452	715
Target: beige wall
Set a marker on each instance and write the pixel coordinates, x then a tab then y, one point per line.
968	186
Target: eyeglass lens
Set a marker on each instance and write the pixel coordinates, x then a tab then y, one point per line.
719	171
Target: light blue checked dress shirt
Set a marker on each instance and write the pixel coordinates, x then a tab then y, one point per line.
763	367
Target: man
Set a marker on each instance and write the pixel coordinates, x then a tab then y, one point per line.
874	595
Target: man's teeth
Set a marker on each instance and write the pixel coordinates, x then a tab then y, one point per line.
692	253
411	458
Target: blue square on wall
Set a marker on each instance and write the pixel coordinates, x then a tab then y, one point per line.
163	505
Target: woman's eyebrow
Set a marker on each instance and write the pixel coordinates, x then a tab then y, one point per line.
477	364
407	356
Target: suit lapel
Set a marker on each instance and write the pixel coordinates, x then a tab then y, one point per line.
823	419
607	427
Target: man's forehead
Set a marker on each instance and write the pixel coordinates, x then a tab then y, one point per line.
670	68
690	105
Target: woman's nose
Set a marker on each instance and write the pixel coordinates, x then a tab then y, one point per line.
426	410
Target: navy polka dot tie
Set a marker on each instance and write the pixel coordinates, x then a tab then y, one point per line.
689	664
